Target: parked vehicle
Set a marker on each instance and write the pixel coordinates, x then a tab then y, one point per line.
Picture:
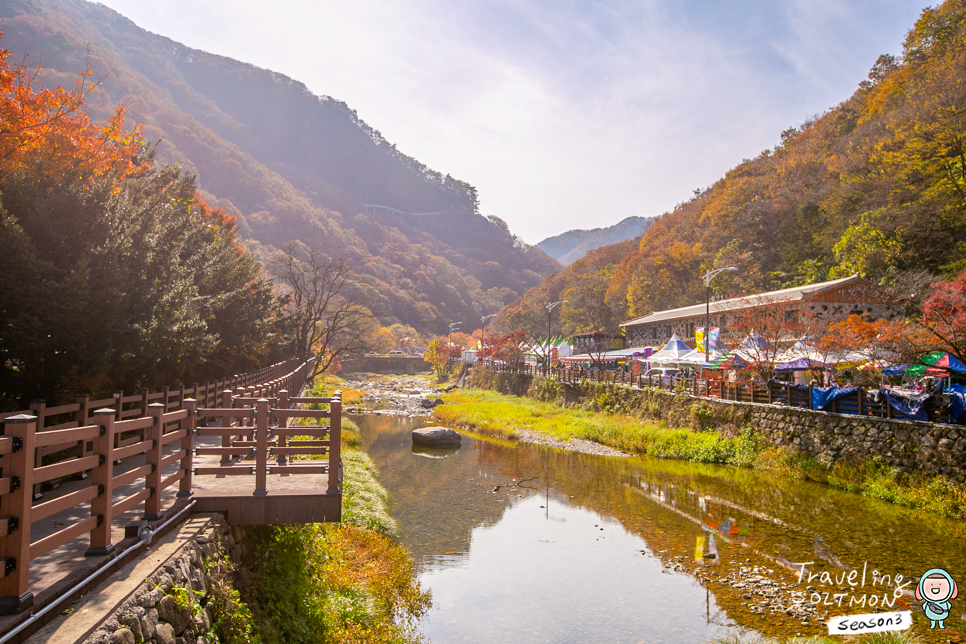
663	371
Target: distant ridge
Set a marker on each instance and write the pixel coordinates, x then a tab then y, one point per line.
570	246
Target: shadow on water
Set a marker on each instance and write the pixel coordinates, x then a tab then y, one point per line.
530	544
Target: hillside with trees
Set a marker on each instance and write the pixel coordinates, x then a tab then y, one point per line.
875	186
288	165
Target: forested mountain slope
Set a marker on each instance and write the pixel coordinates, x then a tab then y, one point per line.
875	186
294	166
572	245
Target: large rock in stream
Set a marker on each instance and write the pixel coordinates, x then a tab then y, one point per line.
436	437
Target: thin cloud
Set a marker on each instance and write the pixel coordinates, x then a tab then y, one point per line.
564	113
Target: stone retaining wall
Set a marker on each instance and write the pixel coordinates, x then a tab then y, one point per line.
910	446
171	606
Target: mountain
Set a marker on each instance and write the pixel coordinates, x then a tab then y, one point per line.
572	245
291	165
876	186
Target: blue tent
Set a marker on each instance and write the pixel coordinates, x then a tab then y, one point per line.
896	369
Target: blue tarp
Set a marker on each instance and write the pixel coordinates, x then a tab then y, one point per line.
907	403
822	396
957	403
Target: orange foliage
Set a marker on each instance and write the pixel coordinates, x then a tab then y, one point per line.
48	128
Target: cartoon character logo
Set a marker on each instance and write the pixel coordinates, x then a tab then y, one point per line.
936	589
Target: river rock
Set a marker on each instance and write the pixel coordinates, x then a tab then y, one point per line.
436	437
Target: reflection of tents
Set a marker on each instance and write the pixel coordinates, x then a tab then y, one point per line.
673	351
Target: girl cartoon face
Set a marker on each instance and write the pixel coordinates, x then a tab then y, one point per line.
936	588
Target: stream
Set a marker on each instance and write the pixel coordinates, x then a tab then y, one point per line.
525	543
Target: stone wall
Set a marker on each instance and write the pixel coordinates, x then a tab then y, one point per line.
171	606
930	448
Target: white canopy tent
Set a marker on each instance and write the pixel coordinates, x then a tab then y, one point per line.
672	352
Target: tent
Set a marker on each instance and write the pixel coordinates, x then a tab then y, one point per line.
696	356
938	363
673	351
801	364
727	361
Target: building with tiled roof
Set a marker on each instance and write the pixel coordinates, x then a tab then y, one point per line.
833	300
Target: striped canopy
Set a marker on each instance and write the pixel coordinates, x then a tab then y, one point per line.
938	363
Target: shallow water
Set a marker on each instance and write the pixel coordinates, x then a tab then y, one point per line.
524	543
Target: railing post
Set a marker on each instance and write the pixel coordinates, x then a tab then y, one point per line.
102	477
226	403
15	596
861	401
165	392
84	404
188	444
144	401
281	440
118	405
39	409
152	505
335	443
261	447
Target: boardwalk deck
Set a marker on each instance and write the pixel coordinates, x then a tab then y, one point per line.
290	498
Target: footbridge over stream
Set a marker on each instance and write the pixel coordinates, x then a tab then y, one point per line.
85	486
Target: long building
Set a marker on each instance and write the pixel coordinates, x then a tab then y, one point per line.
829	301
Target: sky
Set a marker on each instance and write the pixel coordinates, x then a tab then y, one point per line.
563	113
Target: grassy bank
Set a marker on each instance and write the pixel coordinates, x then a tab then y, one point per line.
498	414
335	583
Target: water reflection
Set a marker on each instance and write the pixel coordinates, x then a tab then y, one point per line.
502	532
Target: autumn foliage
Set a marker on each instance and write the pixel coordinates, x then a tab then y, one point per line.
48	128
114	272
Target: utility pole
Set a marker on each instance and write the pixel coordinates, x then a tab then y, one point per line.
546	357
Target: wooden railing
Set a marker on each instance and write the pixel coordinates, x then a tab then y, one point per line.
95	446
861	402
248	432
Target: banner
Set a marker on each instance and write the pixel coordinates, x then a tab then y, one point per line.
699	338
713	336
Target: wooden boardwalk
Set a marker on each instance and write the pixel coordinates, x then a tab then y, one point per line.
79	483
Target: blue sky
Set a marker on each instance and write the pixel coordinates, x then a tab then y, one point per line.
563	113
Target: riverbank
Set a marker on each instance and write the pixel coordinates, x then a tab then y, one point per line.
672	427
342	582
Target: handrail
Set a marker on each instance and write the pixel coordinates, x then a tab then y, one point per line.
91	443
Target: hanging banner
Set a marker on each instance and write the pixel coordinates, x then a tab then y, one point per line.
699	338
713	336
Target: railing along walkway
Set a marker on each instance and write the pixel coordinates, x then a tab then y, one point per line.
72	490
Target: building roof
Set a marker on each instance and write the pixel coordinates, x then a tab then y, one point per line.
793	294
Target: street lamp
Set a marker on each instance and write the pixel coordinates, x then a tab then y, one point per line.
710	275
546	357
483	320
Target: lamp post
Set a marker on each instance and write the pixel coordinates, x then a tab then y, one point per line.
710	275
483	320
546	357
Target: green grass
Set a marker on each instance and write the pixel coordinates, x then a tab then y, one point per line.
502	415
